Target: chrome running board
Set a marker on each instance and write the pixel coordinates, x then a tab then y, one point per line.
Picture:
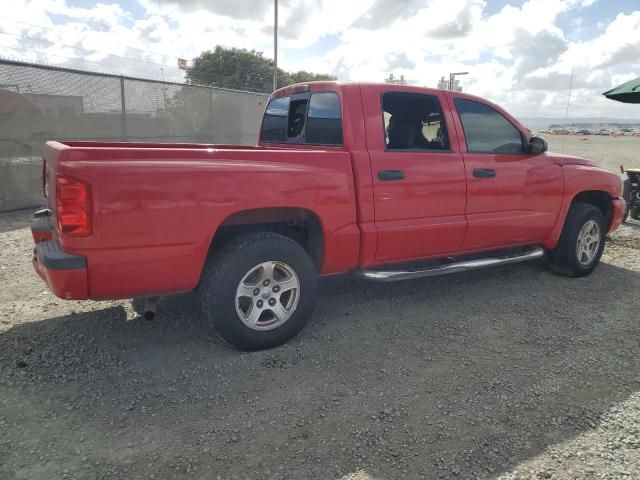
453	267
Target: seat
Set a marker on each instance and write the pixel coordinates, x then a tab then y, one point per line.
401	133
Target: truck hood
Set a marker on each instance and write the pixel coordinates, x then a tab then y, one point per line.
569	160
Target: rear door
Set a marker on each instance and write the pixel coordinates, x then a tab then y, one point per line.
418	174
513	197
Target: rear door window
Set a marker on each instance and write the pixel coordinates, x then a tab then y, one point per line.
486	130
413	121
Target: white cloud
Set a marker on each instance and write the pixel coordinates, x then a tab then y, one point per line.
518	56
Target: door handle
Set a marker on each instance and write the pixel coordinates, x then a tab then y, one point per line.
386	175
484	172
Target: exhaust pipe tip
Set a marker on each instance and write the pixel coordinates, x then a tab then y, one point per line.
150	305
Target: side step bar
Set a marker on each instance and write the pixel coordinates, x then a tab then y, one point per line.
454	267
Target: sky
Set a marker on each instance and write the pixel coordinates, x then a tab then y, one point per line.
519	53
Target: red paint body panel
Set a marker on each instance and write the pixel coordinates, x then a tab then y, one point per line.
619	207
155	212
519	205
156	207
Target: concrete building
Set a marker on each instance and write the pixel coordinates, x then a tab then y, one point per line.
443	84
397	81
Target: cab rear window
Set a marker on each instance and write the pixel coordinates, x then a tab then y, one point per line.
274	125
324	121
312	119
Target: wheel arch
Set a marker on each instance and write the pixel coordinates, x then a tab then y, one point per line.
601	199
598	198
300	224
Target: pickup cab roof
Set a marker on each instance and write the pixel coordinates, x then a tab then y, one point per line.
348	90
339	86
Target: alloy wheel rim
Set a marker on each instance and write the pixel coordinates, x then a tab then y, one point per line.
267	295
589	240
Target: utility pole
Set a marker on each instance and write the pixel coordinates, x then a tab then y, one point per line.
275	45
452	78
164	88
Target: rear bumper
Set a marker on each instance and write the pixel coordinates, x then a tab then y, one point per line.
64	274
619	207
42	226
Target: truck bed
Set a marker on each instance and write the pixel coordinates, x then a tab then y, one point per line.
156	207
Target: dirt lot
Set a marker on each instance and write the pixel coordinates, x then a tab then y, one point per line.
608	152
511	372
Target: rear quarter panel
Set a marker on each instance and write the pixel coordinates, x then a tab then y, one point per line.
155	211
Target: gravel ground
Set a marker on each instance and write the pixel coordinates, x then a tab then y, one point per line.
509	373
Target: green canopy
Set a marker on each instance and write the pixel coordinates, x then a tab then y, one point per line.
627	92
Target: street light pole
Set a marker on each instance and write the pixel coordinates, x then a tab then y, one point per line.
275	45
452	77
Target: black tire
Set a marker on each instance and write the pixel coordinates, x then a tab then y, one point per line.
634	213
224	273
564	258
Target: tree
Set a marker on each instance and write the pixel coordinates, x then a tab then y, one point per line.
304	76
243	69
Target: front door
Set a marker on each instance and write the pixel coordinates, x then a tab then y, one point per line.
513	197
418	175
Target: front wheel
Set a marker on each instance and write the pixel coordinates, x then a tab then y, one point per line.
258	291
581	243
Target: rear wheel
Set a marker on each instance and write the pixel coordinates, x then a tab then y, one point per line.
258	291
634	213
581	243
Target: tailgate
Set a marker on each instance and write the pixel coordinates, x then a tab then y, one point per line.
51	159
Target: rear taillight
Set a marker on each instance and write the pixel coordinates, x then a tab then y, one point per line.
73	207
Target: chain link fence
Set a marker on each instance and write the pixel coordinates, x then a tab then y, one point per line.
40	103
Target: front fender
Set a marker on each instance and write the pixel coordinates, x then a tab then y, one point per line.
580	179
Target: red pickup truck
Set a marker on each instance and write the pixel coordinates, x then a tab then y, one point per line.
386	181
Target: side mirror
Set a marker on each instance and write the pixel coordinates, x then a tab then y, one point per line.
538	145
